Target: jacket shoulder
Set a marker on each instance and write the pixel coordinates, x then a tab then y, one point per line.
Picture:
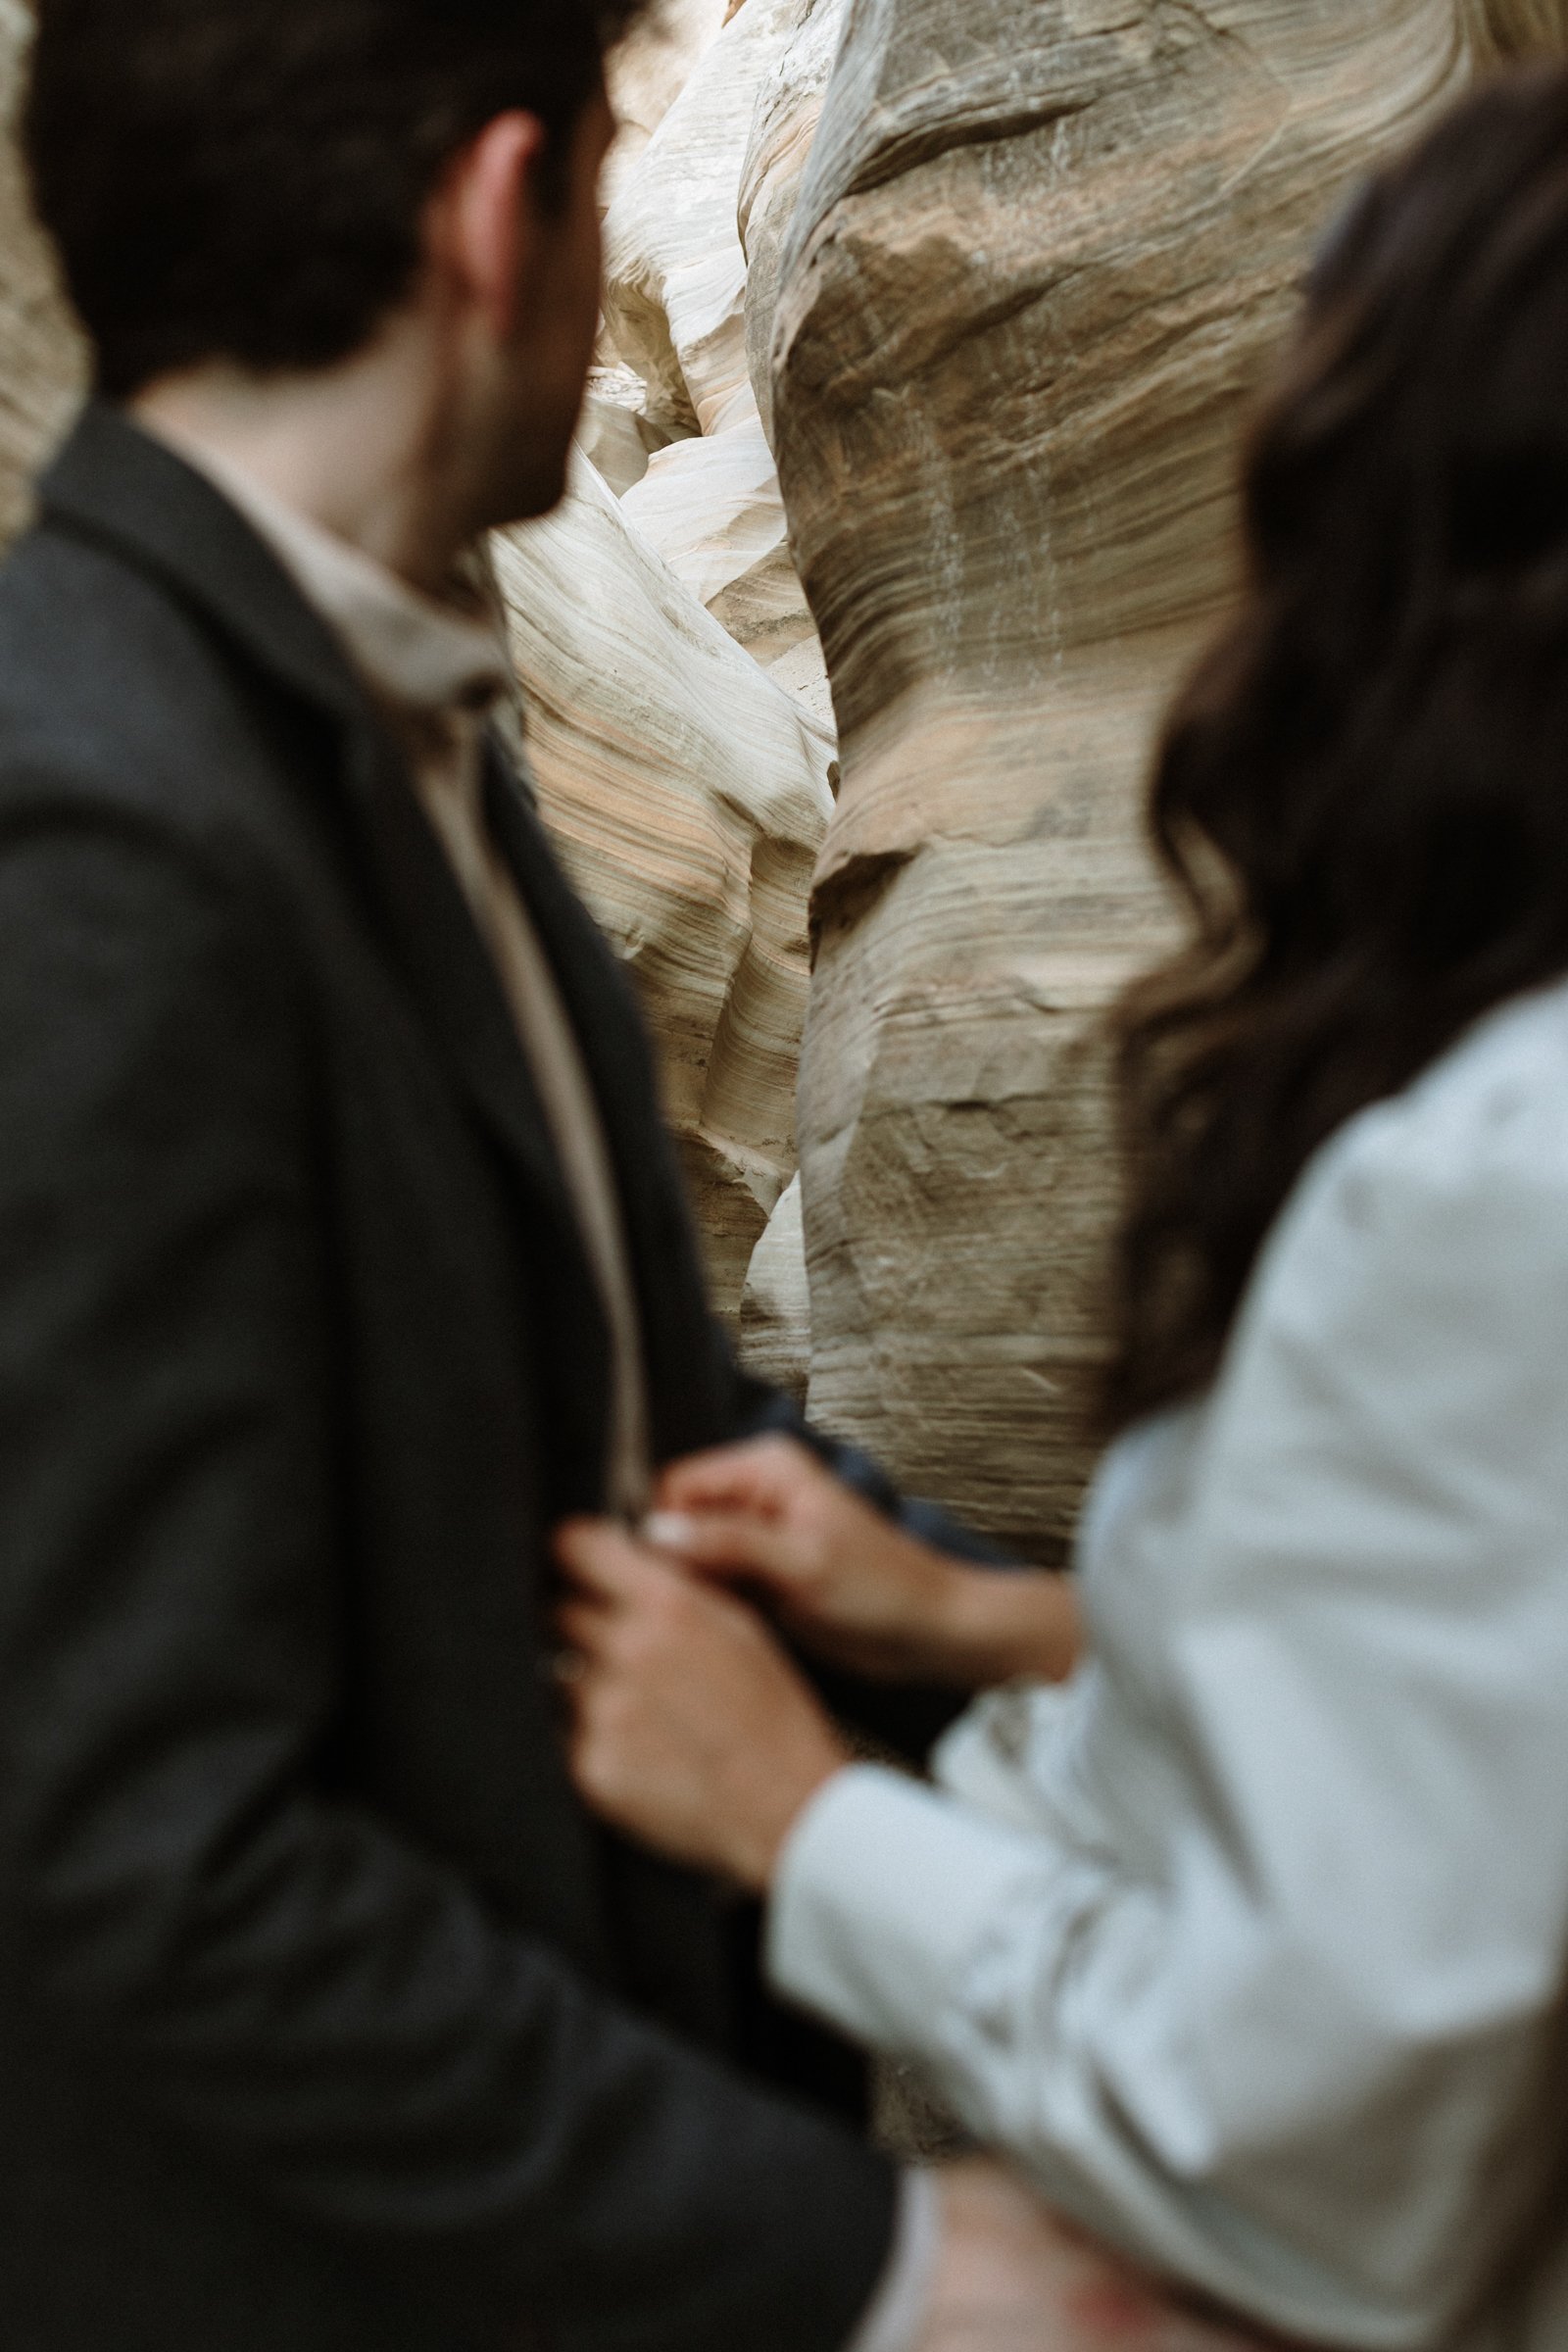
118	700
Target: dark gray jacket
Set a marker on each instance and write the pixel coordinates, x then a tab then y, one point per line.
328	2022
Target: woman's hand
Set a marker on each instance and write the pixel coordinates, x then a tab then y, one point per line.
691	1728
849	1584
852	1585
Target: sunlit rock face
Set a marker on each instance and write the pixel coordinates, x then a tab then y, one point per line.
676	309
650	68
689	795
41	362
775	1326
692	232
1040	262
785	116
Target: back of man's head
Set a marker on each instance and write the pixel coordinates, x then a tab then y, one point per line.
245	179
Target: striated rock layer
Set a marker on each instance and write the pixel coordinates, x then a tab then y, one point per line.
775	1326
785	116
702	554
1041	258
650	68
689	797
676	309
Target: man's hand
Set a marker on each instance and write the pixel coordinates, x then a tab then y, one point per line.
692	1730
837	1573
848	1584
1015	2278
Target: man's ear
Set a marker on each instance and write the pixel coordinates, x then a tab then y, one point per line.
485	223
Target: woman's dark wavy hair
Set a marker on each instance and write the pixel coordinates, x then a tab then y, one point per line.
1362	796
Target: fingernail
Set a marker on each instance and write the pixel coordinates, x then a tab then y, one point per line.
669	1531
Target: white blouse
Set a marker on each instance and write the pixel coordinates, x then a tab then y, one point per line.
1245	1940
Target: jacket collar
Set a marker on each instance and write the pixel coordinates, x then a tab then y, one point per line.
687	1368
415	654
114	484
120	487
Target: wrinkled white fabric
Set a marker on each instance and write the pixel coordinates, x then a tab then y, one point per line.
1247	1940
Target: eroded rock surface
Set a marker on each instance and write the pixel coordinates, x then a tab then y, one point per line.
785	116
689	795
677	311
1502	31
692	242
775	1328
1040	262
650	68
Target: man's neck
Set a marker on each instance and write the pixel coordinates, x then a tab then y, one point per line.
354	448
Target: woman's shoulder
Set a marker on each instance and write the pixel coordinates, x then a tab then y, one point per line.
1500	1092
1420	1272
1417	1275
1478	1141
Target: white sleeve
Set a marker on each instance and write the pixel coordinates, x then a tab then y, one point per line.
1268	2030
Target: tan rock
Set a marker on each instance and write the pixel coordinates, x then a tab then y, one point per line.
1508	30
711	507
650	68
615	434
676	311
41	361
776	1330
674	272
1027	299
689	795
784	120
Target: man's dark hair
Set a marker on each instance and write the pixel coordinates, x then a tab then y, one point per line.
244	179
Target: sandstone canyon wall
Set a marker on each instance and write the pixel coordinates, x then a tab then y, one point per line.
688	794
1043	254
676	312
679	724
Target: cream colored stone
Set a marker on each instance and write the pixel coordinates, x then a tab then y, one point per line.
674	272
676	314
689	795
775	1334
712	508
615	433
784	120
41	361
1040	262
650	68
